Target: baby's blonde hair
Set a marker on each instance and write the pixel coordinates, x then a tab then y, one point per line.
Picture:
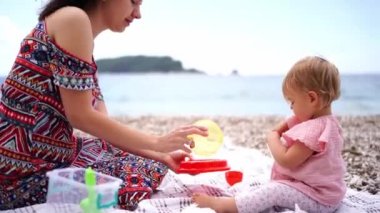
316	74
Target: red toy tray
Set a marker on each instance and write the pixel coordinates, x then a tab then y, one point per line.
194	167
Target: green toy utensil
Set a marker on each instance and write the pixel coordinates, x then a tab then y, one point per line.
90	204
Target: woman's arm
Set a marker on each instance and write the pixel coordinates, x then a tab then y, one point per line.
83	116
100	106
172	160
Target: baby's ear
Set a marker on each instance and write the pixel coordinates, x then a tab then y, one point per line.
313	97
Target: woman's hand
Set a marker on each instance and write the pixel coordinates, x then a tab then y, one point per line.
178	140
173	159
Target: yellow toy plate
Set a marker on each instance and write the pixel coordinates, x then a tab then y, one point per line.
207	146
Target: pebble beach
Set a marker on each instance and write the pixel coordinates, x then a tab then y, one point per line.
361	134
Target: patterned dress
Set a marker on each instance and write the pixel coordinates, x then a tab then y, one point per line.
35	135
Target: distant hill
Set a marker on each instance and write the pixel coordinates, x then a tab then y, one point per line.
142	64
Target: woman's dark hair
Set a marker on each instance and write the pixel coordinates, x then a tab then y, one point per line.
54	5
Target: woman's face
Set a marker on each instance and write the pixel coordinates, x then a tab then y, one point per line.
119	14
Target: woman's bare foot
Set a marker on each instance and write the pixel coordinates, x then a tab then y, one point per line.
219	204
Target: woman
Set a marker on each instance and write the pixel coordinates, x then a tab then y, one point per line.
53	88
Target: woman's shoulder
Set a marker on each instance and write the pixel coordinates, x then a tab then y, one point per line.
70	28
68	18
69	13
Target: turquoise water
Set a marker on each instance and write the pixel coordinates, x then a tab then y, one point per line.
187	94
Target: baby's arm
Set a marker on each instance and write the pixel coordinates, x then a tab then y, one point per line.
289	157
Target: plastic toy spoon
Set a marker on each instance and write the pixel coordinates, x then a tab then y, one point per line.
89	204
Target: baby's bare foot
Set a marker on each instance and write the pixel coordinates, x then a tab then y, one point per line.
203	200
218	204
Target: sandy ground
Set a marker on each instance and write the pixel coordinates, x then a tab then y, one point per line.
361	133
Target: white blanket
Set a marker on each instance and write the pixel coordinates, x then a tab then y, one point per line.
175	192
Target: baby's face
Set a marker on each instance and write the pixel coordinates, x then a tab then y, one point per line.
300	103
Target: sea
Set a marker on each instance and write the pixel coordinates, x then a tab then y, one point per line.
210	95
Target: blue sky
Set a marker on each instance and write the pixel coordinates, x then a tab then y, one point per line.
255	37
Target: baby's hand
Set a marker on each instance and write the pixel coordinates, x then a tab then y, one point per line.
281	127
273	136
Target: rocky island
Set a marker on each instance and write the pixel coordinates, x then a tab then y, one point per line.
143	64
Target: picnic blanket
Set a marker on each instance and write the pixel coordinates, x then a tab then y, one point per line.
174	194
